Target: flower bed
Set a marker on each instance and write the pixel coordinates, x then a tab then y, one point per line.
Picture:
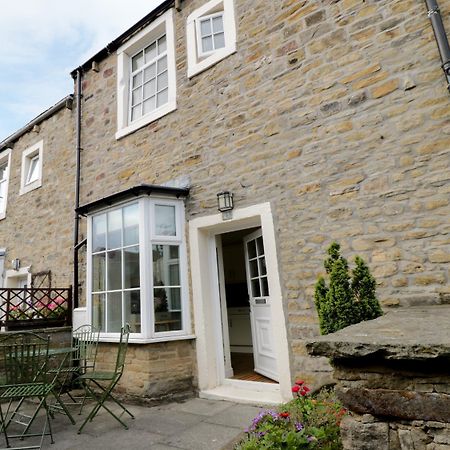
307	422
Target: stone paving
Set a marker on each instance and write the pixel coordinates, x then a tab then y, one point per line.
195	424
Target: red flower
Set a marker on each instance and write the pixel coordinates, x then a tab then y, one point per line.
306	388
303	393
284	415
299	382
295	388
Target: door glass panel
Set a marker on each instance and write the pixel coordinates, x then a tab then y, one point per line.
115	228
262	266
256	292
133	310
99	233
98	311
251	247
165	224
264	287
253	268
114	312
260	246
114	270
131	267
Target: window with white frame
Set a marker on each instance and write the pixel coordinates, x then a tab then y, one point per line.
211	35
31	168
137	269
5	161
146	78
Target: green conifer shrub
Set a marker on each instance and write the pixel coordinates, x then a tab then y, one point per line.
346	301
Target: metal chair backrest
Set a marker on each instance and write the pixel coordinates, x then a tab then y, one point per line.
122	351
85	340
24	357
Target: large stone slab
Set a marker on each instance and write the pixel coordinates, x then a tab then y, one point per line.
417	333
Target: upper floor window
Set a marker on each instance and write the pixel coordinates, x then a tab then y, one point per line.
137	269
31	168
5	162
211	35
146	78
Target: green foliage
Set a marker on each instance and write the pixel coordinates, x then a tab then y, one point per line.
345	302
303	423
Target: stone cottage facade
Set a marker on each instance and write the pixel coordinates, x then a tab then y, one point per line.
326	120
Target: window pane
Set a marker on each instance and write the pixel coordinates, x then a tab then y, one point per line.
33	170
3	172
99	233
115	228
131	267
166	265
262	266
253	268
114	312
98	311
205	27
167	309
136	96
165	224
163	81
207	44
98	272
114	270
219	41
150	88
150	72
131	224
136	112
150	52
137	61
163	97
149	105
251	247
162	64
133	310
162	44
217	24
137	80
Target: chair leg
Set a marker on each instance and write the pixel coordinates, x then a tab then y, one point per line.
63	406
3	424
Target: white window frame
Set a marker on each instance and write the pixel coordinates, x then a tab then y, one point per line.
162	25
28	155
198	21
5	158
198	61
147	238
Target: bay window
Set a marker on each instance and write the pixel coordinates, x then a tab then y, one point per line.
137	269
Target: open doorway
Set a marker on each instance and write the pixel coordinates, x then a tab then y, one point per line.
243	296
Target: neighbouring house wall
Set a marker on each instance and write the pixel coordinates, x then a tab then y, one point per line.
38	227
335	112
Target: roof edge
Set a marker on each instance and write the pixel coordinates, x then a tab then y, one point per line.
65	102
116	43
136	191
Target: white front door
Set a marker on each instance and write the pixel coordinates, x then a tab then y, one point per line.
260	308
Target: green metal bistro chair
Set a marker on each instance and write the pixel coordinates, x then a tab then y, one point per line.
83	357
23	360
106	381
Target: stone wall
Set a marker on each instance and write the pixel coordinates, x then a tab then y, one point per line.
38	228
153	372
334	111
393	373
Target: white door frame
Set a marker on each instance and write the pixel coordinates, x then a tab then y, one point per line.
205	290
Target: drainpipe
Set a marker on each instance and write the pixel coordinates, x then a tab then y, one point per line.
434	15
76	228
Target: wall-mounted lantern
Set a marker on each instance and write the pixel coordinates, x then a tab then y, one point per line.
15	263
225	204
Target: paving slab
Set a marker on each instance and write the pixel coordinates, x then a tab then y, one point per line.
239	417
201	406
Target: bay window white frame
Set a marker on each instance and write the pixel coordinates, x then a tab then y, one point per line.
147	239
28	155
5	160
162	25
197	60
